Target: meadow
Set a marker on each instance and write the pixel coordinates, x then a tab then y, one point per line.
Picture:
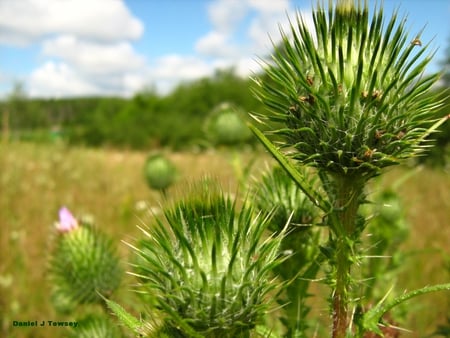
108	187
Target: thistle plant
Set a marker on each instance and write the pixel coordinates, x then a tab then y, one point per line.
84	268
207	266
83	264
348	98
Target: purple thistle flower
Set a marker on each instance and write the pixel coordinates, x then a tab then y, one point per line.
66	221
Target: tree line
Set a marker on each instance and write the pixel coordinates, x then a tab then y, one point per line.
146	120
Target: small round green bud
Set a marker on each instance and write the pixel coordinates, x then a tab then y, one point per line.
159	172
226	126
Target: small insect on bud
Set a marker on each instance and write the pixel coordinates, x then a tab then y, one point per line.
303	98
309	80
416	42
369	153
310	99
378	134
400	134
376	94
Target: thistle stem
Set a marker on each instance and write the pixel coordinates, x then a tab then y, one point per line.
343	219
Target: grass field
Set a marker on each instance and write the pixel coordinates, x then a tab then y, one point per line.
108	186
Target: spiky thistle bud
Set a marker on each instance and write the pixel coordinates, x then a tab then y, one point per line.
82	264
208	266
351	93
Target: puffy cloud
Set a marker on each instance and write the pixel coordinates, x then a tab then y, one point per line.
247	66
261	20
93	57
226	14
215	44
86	45
178	66
269	6
103	20
60	80
171	69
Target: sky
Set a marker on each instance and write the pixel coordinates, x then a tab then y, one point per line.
66	48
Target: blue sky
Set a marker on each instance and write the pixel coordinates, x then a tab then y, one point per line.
59	48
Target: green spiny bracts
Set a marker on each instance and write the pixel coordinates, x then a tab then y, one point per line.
276	190
83	264
209	266
351	95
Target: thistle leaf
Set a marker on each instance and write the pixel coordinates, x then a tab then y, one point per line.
372	317
126	318
297	176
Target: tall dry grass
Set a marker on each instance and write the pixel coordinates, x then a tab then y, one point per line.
108	186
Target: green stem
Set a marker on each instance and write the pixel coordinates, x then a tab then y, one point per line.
343	224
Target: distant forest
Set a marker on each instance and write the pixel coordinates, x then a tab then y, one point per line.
176	120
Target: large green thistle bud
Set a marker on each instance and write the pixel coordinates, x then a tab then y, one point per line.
350	95
208	266
83	264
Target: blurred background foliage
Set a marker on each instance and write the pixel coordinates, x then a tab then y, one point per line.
146	120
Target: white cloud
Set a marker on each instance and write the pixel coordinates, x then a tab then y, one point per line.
215	44
133	82
26	21
93	57
265	29
270	6
170	69
60	80
178	66
86	45
226	14
247	66
261	21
